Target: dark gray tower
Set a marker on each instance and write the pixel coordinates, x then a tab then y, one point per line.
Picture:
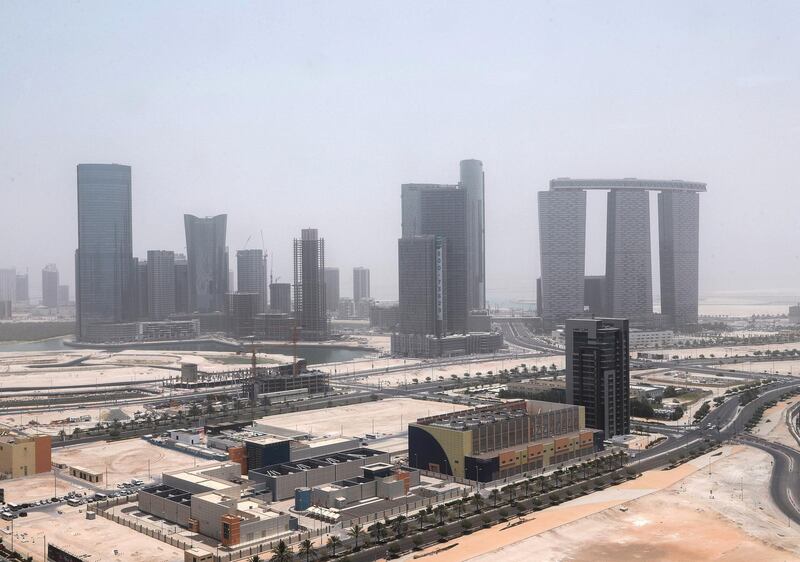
309	285
440	211
598	372
280	297
360	284
22	292
160	284
181	284
251	271
332	289
679	248
629	277
50	286
472	181
423	285
104	276
208	262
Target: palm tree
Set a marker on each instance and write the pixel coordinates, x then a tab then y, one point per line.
459	507
440	512
307	549
333	542
398	525
355	532
421	518
281	552
541	484
511	489
527	486
378	530
494	495
477	501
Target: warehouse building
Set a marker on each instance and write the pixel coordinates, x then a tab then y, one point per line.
493	442
281	480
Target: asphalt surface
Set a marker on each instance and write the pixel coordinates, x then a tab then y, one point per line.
726	422
785	482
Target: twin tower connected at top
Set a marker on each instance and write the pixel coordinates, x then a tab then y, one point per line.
626	290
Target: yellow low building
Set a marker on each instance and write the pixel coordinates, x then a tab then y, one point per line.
22	455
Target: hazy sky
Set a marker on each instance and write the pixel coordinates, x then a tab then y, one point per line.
294	114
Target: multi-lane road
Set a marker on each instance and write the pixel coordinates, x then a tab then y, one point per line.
726	422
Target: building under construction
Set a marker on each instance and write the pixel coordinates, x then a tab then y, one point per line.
258	380
272	380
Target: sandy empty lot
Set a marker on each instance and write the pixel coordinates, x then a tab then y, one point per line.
703	510
99	540
38	487
126	459
356	420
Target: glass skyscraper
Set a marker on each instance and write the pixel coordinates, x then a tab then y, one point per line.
103	273
208	262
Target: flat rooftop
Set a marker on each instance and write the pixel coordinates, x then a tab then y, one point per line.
205	481
169	493
311	463
626	183
468	419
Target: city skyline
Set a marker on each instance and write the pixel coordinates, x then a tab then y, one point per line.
174	124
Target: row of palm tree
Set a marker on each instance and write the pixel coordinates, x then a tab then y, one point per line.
399	526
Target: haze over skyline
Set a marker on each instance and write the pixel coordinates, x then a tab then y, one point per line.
288	116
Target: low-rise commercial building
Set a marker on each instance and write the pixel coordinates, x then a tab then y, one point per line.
210	501
22	455
93	476
281	480
498	441
384	316
643	339
126	332
378	480
422	345
794	314
529	390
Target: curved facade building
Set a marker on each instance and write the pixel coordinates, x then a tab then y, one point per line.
207	260
104	259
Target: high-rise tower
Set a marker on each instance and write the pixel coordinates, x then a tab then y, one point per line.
440	211
50	286
679	249
472	182
332	289
104	259
628	280
562	250
251	274
309	285
598	372
360	284
160	284
207	259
